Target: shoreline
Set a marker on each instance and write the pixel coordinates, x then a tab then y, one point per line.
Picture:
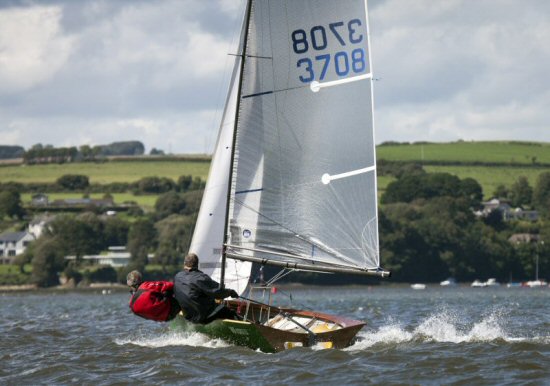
64	288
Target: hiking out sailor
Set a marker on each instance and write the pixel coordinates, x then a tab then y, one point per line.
197	293
153	300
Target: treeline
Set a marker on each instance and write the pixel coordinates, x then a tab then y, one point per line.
166	233
429	232
81	184
427	223
428	229
42	154
406	143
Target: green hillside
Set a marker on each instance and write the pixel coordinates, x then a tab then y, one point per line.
490	163
526	153
106	172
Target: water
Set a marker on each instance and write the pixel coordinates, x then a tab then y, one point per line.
439	335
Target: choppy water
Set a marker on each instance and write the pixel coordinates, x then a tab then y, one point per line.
439	335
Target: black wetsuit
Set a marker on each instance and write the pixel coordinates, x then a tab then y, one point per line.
196	293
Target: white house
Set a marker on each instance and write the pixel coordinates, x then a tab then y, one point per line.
116	257
38	224
508	213
13	244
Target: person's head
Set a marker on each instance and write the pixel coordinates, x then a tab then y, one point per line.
134	279
191	261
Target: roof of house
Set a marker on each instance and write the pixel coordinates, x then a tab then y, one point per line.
12	236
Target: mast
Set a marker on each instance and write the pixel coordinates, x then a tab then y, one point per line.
231	164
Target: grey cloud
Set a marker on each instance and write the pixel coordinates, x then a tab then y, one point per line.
449	69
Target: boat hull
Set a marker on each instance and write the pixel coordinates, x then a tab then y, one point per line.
255	332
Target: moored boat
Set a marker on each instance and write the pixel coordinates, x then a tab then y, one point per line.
450	282
418	286
478	284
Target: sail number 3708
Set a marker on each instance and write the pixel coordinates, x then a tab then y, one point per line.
342	62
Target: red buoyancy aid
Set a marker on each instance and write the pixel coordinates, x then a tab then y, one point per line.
153	300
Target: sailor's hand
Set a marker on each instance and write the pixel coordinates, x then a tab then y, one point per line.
233	294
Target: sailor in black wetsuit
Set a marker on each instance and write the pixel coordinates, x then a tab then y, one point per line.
196	293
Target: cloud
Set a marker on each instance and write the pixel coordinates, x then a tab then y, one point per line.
461	70
95	71
32	47
128	70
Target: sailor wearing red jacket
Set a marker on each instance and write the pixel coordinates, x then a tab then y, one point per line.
152	300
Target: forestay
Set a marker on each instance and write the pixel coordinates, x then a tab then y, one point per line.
208	237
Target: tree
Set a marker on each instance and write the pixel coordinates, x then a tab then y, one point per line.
47	262
495	220
501	191
193	200
10	204
141	238
541	194
521	193
154	185
121	148
471	189
24	258
197	184
73	182
429	240
184	182
174	234
169	203
86	152
78	235
115	231
426	186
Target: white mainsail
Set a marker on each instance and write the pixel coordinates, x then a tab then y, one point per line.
302	186
306	112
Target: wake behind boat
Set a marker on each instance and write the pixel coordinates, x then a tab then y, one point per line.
293	177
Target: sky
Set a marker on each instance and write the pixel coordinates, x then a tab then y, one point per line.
97	71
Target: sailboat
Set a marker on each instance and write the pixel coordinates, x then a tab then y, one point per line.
292	182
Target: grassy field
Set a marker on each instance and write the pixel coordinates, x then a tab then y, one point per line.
104	173
10	274
489	176
487	152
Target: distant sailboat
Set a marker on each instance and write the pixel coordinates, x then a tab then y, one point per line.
537	282
293	178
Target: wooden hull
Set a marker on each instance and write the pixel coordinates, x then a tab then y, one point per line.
272	329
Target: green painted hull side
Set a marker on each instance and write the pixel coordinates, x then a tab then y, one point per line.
238	333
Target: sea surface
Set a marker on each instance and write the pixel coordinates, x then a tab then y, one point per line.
459	335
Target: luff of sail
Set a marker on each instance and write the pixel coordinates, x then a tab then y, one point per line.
208	236
290	136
